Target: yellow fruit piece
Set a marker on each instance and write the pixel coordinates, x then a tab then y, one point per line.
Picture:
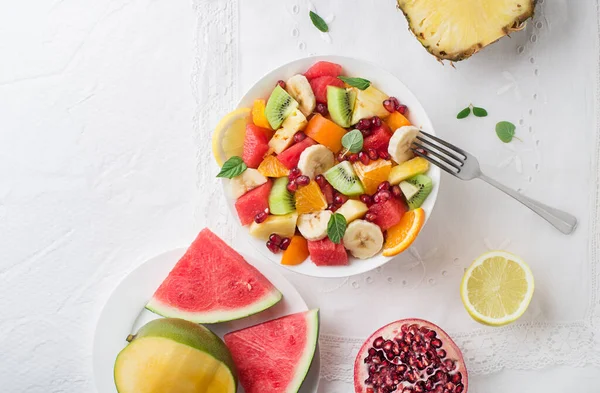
352	210
258	114
228	137
282	225
497	288
396	120
310	198
402	235
408	169
373	174
272	167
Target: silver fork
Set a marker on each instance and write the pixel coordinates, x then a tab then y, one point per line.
465	166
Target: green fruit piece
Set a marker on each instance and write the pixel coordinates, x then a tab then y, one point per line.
340	103
343	178
423	184
408	190
281	201
279	106
172	354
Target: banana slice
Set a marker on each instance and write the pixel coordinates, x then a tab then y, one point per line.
284	136
363	239
399	147
248	180
315	160
313	226
299	88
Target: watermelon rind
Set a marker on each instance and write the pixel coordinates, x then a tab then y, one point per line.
215	316
312	321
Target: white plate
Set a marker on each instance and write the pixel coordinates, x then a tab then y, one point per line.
386	82
124	313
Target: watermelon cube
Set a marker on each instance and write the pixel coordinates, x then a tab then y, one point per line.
253	202
319	86
323	68
379	138
256	145
290	156
388	213
326	253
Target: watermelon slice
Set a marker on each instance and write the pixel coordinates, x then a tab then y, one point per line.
379	138
256	145
323	68
212	283
274	357
253	202
319	86
388	213
326	253
290	156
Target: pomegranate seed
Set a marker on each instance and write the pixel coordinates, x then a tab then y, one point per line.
364	158
322	109
363	124
333	207
294	173
340	199
429	371
274	248
281	83
384	155
372	352
292	186
370	217
378	342
411	377
429	385
373	155
341	157
407	390
353	157
459	388
449	386
404	328
420	387
441	353
402	109
456	378
299	137
387	346
396	191
436	343
389	105
422	151
449	364
261	217
382	196
376	121
430	334
386	186
401	369
275	239
320	179
366	199
285	243
302	180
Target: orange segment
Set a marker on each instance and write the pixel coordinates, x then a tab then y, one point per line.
373	174
272	167
325	132
297	251
258	114
400	236
397	120
310	198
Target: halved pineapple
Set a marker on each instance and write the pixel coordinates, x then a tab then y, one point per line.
456	29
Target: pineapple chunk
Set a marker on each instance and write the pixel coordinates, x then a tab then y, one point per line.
368	103
456	29
352	210
408	169
282	225
284	136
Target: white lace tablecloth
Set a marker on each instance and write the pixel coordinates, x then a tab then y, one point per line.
104	162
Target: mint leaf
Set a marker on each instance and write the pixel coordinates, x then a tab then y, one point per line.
464	113
353	141
232	168
359	83
318	22
336	227
505	131
479	112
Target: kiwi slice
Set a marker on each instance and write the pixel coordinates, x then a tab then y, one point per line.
343	178
279	106
423	185
281	201
340	103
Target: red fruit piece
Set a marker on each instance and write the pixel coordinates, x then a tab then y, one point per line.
388	213
256	145
379	138
290	156
327	253
323	68
253	202
319	86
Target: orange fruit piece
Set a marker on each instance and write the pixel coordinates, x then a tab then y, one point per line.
310	198
258	114
325	132
272	167
297	251
373	174
396	120
400	236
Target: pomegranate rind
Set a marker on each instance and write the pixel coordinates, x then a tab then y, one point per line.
391	330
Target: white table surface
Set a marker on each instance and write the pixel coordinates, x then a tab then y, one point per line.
98	173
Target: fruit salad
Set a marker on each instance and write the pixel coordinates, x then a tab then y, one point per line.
326	169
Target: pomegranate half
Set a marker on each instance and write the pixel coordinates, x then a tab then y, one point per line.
410	356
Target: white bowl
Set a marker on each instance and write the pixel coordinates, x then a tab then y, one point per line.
385	82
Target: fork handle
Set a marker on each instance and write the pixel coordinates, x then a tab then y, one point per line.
561	220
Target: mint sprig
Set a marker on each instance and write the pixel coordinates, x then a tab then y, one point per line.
359	83
318	22
506	131
353	141
336	227
233	167
477	111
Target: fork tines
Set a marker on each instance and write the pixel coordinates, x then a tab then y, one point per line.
440	153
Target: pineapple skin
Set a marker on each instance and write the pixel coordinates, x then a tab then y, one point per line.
517	25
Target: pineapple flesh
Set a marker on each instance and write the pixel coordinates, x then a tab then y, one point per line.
456	29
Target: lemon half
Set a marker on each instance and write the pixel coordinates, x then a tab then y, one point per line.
228	137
